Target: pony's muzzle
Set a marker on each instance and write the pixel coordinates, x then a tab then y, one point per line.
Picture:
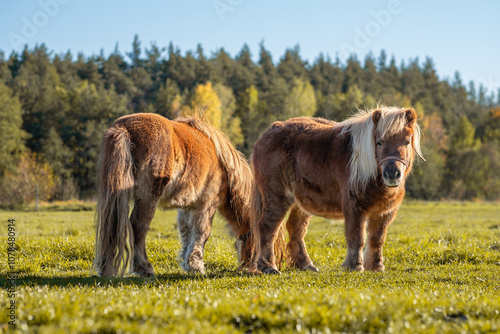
392	173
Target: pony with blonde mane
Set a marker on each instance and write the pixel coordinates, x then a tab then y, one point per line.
353	170
185	164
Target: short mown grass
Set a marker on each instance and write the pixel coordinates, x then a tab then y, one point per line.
442	276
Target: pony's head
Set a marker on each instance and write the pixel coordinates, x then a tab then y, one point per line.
384	141
397	139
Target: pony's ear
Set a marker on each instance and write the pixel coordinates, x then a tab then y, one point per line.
376	116
411	116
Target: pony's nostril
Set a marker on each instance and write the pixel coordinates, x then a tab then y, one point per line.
397	174
386	174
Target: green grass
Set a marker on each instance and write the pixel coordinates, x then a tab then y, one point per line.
442	276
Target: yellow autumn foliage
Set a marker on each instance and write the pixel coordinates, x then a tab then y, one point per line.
19	186
206	102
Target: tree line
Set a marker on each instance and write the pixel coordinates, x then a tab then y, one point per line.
54	110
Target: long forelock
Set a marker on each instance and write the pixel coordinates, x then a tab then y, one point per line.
391	122
363	162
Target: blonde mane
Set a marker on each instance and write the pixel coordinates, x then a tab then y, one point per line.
363	163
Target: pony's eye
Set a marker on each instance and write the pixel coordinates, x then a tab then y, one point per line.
379	143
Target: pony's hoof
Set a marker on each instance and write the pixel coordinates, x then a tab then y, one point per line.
150	278
271	271
195	265
358	267
248	268
144	273
377	267
250	272
243	267
311	268
196	271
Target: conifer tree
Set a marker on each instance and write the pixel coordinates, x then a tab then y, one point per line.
60	156
292	66
230	123
5	75
255	115
301	101
203	67
353	74
12	135
42	94
168	100
135	54
326	77
463	136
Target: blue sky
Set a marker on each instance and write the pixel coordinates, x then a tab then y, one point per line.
457	35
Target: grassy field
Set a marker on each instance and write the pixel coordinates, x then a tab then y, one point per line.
442	276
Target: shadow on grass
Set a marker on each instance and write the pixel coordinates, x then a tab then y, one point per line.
82	281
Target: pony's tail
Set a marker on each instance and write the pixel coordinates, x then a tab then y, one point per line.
115	181
279	244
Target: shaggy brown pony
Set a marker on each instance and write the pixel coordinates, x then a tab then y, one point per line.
354	170
186	164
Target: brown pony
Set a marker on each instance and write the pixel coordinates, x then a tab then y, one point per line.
354	170
186	164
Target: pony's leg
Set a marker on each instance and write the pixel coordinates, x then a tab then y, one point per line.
141	217
355	224
274	211
200	226
185	235
377	229
297	223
